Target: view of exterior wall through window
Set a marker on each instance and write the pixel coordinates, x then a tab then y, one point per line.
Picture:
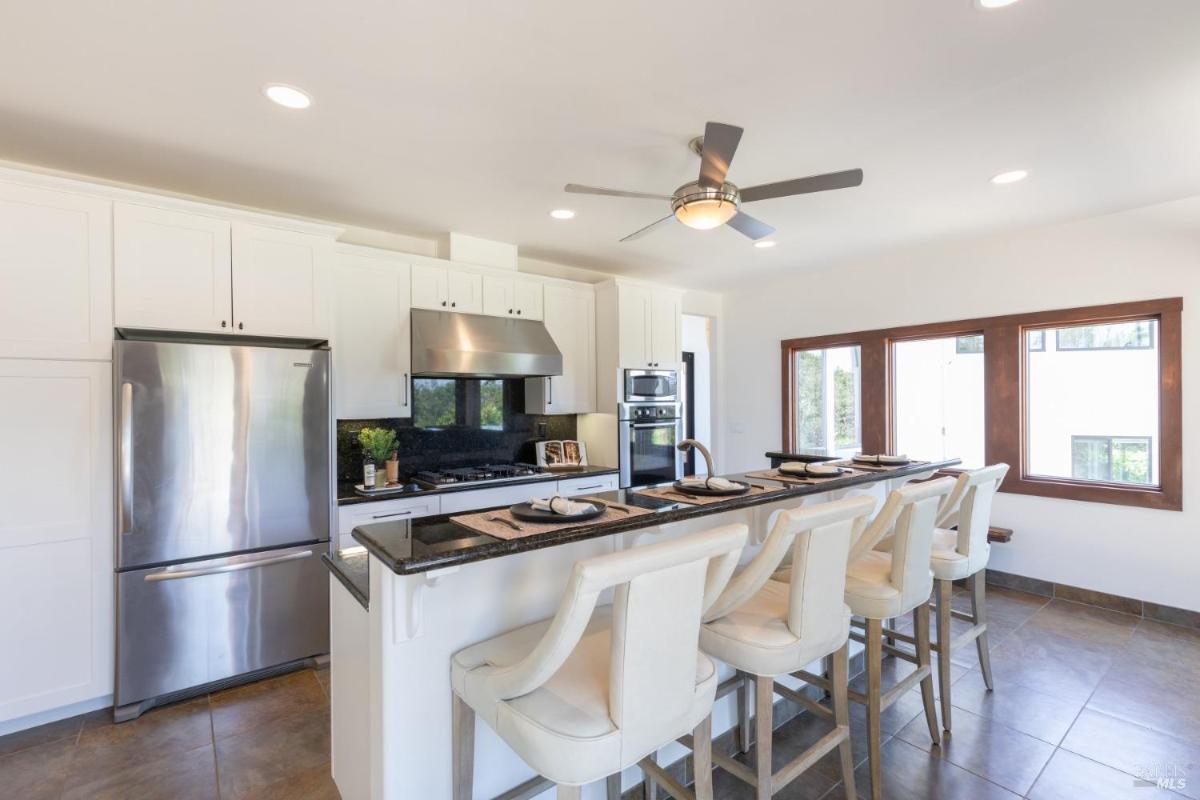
828	396
937	399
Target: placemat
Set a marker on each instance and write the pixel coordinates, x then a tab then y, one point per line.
672	494
484	521
776	475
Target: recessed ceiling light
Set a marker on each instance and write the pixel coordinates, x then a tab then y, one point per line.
765	243
994	3
287	96
562	213
1010	177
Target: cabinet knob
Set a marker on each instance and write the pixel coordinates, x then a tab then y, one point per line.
222	323
240	326
443	304
510	311
454	305
518	312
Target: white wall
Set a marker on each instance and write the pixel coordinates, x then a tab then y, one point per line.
1134	255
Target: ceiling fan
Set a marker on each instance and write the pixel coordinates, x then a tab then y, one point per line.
712	201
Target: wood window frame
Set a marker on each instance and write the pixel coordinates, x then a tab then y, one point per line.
1005	384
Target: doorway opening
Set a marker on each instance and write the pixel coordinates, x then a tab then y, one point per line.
697	386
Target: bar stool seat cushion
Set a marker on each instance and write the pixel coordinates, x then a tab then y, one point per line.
950	565
756	638
870	591
563	728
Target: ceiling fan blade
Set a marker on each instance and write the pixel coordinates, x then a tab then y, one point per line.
575	188
813	183
652	226
716	154
747	225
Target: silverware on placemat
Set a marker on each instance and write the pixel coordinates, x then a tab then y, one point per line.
507	522
607	504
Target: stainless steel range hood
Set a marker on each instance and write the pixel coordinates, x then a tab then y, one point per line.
452	345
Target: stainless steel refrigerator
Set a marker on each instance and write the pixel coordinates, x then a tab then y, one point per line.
223	512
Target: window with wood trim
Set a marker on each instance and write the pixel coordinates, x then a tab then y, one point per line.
1082	403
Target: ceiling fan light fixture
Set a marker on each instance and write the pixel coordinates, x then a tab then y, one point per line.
705	215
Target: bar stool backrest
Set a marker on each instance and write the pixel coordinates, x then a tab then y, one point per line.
978	489
915	508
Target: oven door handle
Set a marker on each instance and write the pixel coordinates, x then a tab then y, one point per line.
637	426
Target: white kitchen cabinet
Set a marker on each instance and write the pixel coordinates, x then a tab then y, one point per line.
350	517
444	289
508	297
55	274
570	318
649	322
474	499
371	342
56	539
281	282
173	270
465	291
587	485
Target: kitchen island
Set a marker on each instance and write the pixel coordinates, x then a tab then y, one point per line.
434	587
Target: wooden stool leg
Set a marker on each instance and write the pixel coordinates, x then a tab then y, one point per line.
764	712
841	717
565	792
979	611
702	759
889	625
943	591
612	785
745	735
921	631
874	638
462	737
649	785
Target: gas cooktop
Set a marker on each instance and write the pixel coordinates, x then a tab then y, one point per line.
487	473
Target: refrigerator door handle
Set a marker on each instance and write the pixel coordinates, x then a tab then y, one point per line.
235	564
125	443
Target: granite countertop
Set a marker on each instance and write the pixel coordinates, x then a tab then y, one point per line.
346	495
352	569
420	545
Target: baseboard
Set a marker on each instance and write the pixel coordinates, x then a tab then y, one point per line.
785	711
1113	602
54	714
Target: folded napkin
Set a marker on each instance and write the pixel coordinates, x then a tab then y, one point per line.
717	484
561	505
864	458
815	469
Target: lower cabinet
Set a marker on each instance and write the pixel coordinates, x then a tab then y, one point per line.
56	579
587	485
458	502
350	517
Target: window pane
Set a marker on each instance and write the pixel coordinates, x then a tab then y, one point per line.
828	396
1093	402
434	402
491	405
1036	341
938	398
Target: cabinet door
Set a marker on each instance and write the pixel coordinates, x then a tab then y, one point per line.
666	319
633	325
173	270
56	539
466	292
571	322
429	288
350	517
371	347
527	298
498	297
55	274
280	282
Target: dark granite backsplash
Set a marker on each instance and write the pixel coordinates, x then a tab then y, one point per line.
419	448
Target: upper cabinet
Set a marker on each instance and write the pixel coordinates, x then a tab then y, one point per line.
280	282
512	297
649	320
444	289
192	272
55	274
571	322
173	270
371	343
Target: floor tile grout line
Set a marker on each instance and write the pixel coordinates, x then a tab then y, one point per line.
212	734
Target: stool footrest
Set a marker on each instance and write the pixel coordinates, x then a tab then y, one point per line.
529	789
966	616
804	700
665	780
735	768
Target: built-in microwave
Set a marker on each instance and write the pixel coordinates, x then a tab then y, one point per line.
651	386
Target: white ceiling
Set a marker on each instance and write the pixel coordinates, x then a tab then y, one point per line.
471	116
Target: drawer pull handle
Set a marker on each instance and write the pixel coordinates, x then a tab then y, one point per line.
589	488
231	565
393	514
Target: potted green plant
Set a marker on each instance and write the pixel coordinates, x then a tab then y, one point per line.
379	445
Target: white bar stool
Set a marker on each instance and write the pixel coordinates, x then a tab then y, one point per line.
592	691
766	628
883	585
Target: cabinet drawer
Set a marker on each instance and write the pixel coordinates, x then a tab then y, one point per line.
457	502
350	517
586	485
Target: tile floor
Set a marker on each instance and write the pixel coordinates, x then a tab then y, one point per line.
1085	698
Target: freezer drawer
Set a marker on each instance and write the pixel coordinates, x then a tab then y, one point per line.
202	621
